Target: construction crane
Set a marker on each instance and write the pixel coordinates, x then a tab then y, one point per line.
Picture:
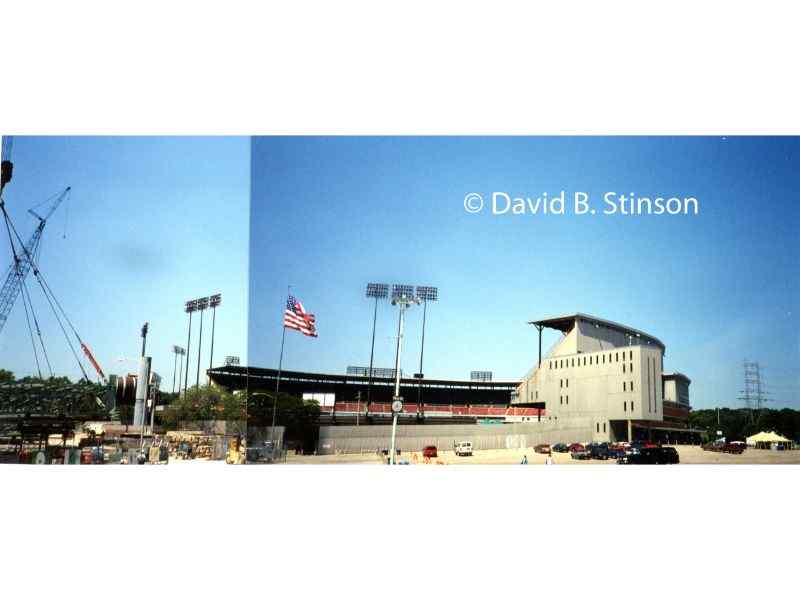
21	265
26	262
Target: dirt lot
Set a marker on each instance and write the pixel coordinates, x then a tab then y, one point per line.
688	454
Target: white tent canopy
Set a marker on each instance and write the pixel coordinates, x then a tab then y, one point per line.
766	439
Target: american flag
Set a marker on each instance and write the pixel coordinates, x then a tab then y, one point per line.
296	317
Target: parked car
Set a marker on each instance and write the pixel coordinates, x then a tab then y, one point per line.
560	447
576	447
644	456
598	451
732	448
462	449
429	452
616	450
667	455
542	449
580	452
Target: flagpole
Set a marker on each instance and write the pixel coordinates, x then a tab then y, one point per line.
278	381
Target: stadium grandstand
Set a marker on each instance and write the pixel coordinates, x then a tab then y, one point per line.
350	398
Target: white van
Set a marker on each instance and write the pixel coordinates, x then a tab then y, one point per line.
463	448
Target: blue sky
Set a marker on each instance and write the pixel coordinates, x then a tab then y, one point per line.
151	222
329	215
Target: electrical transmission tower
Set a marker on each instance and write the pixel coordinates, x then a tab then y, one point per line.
753	394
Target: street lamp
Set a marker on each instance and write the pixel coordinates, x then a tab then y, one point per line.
402	297
426	294
377	291
190	307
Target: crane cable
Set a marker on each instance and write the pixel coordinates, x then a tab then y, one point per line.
25	290
30	331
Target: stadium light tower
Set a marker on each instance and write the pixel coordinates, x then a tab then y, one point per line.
402	297
178	351
425	294
202	304
378	291
191	306
214	301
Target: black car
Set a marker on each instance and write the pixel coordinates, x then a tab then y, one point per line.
598	451
645	456
651	456
560	447
667	455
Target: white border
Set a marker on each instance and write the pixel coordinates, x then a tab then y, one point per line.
416	67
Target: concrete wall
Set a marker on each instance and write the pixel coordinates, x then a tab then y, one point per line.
412	438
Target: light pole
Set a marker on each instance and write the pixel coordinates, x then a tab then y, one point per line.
402	297
191	306
214	301
178	351
377	291
202	304
426	294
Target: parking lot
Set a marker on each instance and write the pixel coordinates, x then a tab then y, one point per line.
688	455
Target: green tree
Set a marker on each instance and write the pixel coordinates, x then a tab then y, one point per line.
207	403
6	376
299	417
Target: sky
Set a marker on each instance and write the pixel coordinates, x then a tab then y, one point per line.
329	215
150	223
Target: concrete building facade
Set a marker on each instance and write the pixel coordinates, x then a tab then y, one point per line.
608	374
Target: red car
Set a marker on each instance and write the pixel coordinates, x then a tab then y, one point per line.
429	452
732	448
576	447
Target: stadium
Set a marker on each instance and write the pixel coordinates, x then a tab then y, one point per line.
602	381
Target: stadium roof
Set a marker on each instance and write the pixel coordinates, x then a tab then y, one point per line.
565	324
676	375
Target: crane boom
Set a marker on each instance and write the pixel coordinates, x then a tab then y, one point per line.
21	265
